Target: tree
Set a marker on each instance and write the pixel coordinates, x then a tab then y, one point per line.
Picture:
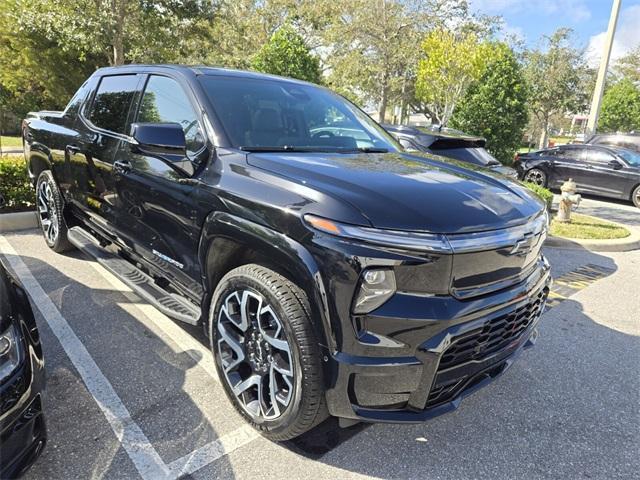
35	73
556	76
373	47
495	106
450	65
120	31
286	54
620	111
629	66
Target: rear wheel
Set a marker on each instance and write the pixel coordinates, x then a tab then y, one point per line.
537	176
266	352
635	196
49	204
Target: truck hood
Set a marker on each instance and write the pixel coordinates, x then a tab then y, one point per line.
417	192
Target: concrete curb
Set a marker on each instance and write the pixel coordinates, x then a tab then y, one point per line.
632	242
10	222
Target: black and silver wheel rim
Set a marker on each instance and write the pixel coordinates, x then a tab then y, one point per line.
48	212
535	176
638	197
255	355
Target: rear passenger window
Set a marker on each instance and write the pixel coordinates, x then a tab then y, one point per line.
112	101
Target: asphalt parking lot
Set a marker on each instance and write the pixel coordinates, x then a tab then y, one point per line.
131	393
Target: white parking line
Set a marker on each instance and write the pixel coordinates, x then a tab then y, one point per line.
136	444
199	353
134	441
211	452
224	445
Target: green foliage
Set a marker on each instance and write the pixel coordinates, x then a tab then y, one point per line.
15	186
544	193
287	55
495	106
620	110
629	66
450	65
556	74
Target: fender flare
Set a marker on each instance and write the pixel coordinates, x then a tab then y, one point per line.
223	228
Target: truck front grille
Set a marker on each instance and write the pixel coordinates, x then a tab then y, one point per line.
495	335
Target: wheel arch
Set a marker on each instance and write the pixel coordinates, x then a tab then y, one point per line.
38	160
228	241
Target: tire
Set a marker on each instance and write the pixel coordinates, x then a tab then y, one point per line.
50	207
635	196
537	176
279	405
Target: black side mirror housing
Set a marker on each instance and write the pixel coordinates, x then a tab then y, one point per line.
615	164
162	140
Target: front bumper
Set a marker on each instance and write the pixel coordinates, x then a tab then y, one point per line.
418	356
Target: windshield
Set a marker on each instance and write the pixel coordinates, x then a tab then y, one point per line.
264	114
477	156
631	157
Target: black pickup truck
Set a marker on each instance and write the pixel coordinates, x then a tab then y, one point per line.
333	273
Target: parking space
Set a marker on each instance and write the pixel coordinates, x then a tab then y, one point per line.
131	393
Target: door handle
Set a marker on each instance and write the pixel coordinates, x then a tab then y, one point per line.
72	149
122	166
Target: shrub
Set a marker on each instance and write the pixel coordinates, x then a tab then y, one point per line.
15	185
544	193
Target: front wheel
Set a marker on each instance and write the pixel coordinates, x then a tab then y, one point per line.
536	176
635	196
266	352
49	204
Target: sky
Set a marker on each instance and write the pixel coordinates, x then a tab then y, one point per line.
530	19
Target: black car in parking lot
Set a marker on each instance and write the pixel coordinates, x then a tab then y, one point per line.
22	428
334	273
448	143
597	169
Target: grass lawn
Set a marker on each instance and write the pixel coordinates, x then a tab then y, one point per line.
12	142
586	227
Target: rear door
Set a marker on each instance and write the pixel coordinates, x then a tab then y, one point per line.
157	201
568	162
102	126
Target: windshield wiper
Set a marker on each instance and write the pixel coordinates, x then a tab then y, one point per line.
372	150
323	149
284	148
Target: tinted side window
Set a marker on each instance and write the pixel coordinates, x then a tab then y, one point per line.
74	104
112	101
569	153
164	101
599	156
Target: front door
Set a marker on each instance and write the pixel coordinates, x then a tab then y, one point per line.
602	177
157	202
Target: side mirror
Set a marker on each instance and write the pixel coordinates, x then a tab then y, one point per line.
615	164
159	138
163	140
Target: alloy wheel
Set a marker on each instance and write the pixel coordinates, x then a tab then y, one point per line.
255	355
48	212
535	176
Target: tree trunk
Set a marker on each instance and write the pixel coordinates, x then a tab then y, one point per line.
543	135
384	94
117	41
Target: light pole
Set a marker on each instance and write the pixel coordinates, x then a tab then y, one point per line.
602	71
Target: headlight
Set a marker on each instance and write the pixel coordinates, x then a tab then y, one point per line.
10	351
427	242
376	287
